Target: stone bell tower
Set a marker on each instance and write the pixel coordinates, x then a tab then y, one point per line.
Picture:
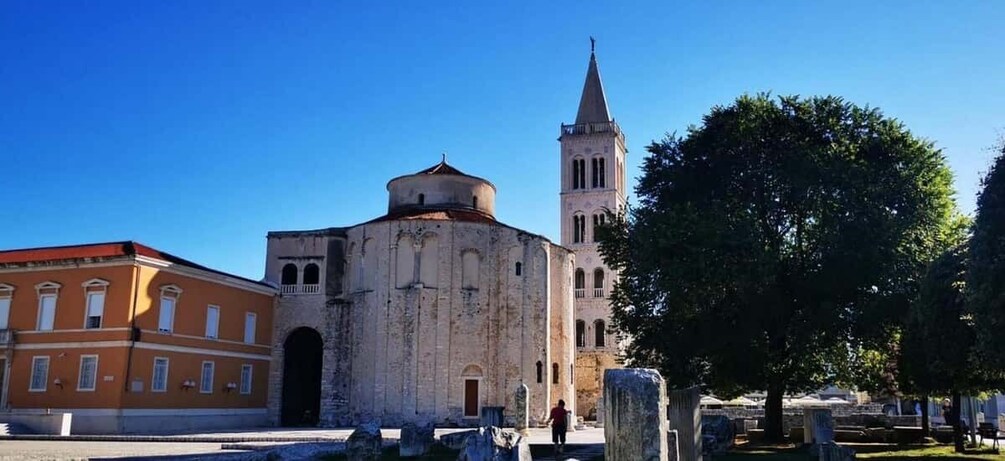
593	181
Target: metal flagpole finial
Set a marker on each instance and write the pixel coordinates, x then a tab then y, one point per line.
593	44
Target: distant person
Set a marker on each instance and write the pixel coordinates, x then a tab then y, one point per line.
947	412
559	420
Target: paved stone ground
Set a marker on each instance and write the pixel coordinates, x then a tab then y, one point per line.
191	446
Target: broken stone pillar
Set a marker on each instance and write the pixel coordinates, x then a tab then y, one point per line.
684	416
494	444
365	443
600	412
818	426
635	426
415	440
522	409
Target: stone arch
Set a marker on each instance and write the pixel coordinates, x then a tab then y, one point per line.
598	283
302	363
470	265
405	261
288	275
471	377
429	260
312	274
599	333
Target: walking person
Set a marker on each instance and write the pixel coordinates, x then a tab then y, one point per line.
559	420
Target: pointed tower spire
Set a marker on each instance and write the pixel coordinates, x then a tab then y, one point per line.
593	103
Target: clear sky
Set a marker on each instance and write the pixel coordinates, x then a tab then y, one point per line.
198	126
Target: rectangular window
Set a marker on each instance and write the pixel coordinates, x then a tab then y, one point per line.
4	312
206	382
246	379
39	374
95	309
212	321
159	381
166	320
601	173
249	328
596	173
46	312
88	373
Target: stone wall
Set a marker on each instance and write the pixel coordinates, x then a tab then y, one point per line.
399	349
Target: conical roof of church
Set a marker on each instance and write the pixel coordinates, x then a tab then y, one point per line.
443	168
593	103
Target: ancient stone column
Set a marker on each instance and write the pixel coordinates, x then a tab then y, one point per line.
635	426
522	409
684	416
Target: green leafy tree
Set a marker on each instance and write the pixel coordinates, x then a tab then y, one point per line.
772	242
986	275
939	355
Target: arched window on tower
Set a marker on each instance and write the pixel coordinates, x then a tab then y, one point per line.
312	278
600	333
422	199
540	372
580	333
554	373
598	220
598	283
288	278
578	173
580	283
519	268
578	228
599	173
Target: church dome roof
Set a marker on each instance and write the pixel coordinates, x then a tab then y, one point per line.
441	187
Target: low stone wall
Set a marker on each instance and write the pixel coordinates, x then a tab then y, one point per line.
46	424
793	417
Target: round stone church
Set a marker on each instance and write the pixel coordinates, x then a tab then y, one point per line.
431	312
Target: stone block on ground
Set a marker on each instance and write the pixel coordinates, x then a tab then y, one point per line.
718	431
635	422
831	451
416	440
684	416
908	434
495	444
456	440
365	443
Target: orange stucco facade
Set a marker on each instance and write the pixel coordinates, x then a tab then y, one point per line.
120	346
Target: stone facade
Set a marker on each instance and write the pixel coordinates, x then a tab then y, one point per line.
428	313
593	181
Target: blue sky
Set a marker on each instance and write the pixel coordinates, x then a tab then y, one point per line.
198	126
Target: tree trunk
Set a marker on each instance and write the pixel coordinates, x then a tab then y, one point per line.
925	425
957	423
773	415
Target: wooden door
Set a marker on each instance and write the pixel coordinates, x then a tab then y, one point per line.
471	398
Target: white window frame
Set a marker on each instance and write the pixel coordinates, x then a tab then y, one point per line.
153	377
41	303
94	286
250	319
45	379
216	328
250	376
6	294
172	292
80	374
202	376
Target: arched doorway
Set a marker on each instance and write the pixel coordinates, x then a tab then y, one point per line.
302	377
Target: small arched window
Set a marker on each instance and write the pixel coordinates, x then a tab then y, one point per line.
289	276
598	283
540	372
600	331
554	373
578	229
580	333
312	274
580	283
519	268
474	202
422	199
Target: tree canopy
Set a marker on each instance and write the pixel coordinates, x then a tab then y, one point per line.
986	274
774	244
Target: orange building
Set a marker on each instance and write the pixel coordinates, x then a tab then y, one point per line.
129	339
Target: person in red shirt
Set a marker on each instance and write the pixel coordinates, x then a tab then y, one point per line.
559	420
